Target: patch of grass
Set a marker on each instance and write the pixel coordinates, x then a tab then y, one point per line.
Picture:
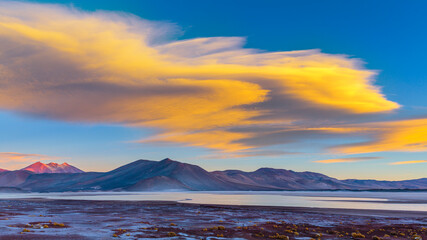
357	235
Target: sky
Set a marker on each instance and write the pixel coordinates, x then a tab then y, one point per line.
336	87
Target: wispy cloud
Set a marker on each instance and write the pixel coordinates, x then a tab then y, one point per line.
408	162
6	157
403	135
248	153
15	160
105	67
346	160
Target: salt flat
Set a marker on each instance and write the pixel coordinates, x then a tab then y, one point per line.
403	201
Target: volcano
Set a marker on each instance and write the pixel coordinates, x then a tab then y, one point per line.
52	167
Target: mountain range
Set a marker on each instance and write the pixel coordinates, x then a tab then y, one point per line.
147	175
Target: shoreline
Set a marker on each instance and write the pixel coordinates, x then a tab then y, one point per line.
338	211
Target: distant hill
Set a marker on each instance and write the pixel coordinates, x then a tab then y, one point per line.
52	167
283	179
11	190
3	170
167	175
375	184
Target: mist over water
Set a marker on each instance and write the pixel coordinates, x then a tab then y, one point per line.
404	201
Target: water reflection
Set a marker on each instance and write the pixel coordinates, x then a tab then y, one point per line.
408	201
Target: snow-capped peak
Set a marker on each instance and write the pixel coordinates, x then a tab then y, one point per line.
52	167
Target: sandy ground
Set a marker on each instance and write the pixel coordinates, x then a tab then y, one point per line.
77	219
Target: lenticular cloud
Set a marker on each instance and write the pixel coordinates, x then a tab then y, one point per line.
61	63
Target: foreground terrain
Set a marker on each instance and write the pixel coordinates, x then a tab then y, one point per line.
77	219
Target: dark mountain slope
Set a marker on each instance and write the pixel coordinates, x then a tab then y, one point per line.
283	179
14	178
158	183
58	182
185	175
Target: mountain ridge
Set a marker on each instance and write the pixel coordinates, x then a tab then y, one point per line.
167	175
39	167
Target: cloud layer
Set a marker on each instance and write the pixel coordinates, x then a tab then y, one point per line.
408	162
346	160
17	160
6	157
102	67
404	135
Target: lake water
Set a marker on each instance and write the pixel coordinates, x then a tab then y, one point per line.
405	201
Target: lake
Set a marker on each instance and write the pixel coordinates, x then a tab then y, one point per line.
404	201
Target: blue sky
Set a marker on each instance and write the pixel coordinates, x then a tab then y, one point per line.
388	36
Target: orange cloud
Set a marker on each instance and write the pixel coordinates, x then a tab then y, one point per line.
14	157
115	68
408	162
247	154
17	160
342	160
405	135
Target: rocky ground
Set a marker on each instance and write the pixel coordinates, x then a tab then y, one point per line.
76	219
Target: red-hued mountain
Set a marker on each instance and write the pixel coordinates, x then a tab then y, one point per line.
39	167
3	170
